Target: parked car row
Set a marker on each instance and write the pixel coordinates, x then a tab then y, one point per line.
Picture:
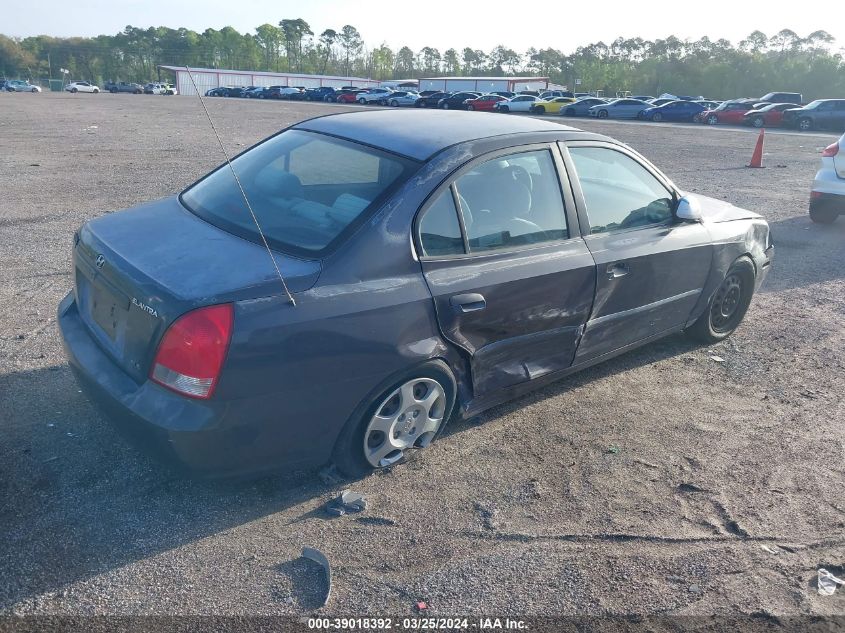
775	108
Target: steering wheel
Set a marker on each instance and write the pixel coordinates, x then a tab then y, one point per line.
525	227
521	175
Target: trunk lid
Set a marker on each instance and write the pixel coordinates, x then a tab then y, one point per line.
136	271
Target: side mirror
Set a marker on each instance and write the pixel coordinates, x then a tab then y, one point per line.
688	210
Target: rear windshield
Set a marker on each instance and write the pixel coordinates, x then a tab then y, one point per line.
307	190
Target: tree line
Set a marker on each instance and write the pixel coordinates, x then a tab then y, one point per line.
716	69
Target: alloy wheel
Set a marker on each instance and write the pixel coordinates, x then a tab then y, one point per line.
409	417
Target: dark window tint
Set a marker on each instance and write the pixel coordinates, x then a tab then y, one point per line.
511	201
619	192
440	233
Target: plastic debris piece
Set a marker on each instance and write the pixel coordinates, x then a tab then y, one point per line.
768	549
421	606
353	501
827	583
717	359
613	449
347	502
687	487
318	557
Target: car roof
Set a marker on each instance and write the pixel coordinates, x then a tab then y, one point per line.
419	134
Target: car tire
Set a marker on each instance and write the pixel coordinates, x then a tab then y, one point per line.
728	305
712	120
504	109
470	108
657	117
445	106
74	90
362	101
823	215
394	103
758	121
539	110
602	114
569	112
350	451
33	90
95	91
805	124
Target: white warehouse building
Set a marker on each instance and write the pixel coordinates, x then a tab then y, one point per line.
484	84
208	78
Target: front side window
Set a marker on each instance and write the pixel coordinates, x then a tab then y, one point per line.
618	191
306	189
512	201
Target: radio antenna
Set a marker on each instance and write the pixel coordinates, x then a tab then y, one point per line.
243	193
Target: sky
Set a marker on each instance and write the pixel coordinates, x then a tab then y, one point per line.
442	24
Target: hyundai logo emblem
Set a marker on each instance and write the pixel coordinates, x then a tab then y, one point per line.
100	261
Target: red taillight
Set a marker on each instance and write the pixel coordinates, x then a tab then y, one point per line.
192	351
831	150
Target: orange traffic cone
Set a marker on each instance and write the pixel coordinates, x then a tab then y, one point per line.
757	157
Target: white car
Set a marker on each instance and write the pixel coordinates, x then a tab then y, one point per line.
374	95
163	89
81	86
288	92
402	98
519	103
827	198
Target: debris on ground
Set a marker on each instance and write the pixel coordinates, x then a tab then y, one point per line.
613	449
318	557
768	549
827	583
688	487
330	475
421	606
347	502
717	359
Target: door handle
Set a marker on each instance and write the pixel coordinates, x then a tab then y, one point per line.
468	303
619	269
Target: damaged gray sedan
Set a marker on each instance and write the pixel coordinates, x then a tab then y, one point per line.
430	265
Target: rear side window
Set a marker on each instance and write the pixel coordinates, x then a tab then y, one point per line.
618	191
511	201
440	232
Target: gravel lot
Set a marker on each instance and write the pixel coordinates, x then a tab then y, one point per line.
659	482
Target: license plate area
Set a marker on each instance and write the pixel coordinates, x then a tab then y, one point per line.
108	309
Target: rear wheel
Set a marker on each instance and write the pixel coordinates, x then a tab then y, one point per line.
504	109
408	415
602	114
757	121
823	215
95	91
394	103
362	101
712	119
657	117
74	90
805	124
728	304
445	106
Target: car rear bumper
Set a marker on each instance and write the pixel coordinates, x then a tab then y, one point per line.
202	437
828	183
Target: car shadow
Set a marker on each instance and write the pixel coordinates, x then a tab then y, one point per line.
77	500
662	349
806	253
